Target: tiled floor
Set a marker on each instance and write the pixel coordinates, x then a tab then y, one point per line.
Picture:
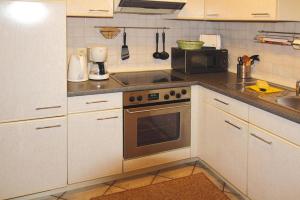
144	180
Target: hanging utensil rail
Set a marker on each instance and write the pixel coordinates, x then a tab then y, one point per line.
279	38
133	27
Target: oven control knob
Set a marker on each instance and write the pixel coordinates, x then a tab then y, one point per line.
167	97
139	98
184	92
172	93
131	99
178	95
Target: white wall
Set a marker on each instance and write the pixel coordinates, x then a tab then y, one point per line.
278	63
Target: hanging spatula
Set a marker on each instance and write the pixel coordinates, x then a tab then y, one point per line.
125	50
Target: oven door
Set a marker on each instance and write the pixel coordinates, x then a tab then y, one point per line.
153	129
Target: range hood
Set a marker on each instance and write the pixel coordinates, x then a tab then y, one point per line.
149	6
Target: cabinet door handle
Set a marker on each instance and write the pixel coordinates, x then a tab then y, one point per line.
231	124
48	127
47	108
95	102
260	14
261	139
223	102
213	15
98	10
107	118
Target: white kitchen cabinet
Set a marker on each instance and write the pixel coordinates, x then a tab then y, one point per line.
254	10
95	145
90	8
194	9
274	163
33	156
224	146
33	69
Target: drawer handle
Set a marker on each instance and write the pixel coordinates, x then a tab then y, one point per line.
48	127
260	14
47	108
231	124
261	139
218	100
107	118
213	15
95	102
98	10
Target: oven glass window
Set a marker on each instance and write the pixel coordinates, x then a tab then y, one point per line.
157	129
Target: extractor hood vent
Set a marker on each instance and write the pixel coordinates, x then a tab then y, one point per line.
149	6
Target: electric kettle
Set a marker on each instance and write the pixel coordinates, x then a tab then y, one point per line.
78	69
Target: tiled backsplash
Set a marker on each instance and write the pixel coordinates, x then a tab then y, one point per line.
141	42
278	63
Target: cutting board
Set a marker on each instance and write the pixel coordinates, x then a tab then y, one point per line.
268	91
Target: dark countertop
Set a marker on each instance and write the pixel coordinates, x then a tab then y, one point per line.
213	81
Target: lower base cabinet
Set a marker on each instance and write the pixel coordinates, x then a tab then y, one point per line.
273	171
95	145
225	146
33	157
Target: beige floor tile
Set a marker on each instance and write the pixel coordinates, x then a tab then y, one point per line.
113	189
86	193
160	179
135	182
178	172
198	170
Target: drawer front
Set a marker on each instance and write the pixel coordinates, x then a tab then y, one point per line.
94	102
227	104
277	125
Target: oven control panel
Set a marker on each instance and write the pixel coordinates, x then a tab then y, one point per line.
156	96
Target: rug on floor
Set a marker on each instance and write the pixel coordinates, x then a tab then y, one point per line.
195	187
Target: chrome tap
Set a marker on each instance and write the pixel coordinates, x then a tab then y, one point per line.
298	88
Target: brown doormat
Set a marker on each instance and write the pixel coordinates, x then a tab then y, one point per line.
195	187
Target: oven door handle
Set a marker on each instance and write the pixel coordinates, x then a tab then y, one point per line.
156	109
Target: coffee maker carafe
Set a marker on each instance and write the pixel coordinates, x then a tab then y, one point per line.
97	57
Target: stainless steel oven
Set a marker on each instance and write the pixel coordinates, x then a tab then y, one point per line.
156	121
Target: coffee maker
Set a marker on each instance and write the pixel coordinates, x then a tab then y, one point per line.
97	58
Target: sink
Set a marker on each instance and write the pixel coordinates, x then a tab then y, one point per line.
292	102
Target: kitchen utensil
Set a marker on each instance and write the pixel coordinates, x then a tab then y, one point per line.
78	70
211	41
125	50
164	55
98	56
190	45
109	32
254	58
156	54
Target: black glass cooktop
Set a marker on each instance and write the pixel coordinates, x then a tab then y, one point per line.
141	78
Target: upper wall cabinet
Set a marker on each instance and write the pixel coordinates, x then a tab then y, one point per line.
194	9
90	8
254	10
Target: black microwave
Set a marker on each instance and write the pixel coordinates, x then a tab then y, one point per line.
199	61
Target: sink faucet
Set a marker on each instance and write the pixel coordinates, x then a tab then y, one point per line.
298	88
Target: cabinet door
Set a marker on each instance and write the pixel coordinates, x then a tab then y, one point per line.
90	8
95	143
33	157
261	10
194	9
33	69
273	167
226	142
224	9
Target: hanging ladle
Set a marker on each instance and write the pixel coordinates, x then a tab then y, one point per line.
156	54
164	55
